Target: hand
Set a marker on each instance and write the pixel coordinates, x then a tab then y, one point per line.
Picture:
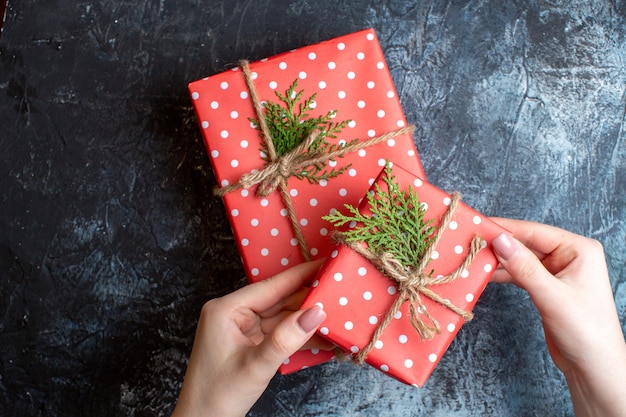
242	339
567	278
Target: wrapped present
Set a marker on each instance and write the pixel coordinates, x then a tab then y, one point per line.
411	263
290	137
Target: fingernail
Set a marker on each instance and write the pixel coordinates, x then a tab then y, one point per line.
504	246
311	318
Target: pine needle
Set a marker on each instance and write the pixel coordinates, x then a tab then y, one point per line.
289	125
396	224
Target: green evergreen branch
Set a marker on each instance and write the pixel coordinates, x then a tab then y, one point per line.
396	224
289	124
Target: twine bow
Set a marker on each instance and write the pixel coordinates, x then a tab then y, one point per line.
413	283
276	172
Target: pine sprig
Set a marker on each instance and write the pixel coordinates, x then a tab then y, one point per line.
396	224
289	124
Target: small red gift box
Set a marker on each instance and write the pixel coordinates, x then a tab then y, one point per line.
348	75
357	296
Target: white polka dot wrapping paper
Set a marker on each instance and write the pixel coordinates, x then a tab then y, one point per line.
357	296
349	74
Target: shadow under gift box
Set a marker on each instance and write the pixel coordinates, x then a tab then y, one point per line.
357	296
349	74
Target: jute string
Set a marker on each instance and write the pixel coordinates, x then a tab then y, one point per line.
412	284
276	172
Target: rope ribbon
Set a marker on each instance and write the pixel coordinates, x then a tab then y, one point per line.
275	174
413	284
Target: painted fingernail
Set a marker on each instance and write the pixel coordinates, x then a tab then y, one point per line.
504	246
312	318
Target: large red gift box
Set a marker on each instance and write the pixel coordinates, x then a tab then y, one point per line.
349	75
357	296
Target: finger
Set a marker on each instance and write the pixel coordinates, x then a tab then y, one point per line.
279	312
501	276
269	324
262	295
554	247
526	269
316	342
286	339
319	343
291	303
540	238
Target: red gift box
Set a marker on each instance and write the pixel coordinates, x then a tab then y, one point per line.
348	75
357	296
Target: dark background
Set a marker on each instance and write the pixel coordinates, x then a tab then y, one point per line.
110	239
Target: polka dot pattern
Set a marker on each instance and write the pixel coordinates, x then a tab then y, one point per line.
348	67
362	296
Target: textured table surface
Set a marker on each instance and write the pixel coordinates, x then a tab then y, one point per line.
110	239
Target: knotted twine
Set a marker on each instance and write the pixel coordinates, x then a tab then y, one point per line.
414	283
279	169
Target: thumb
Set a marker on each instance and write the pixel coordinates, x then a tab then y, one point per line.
525	268
287	338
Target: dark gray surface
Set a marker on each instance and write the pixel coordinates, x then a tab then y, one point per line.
110	240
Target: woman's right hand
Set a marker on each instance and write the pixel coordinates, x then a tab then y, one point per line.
567	278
